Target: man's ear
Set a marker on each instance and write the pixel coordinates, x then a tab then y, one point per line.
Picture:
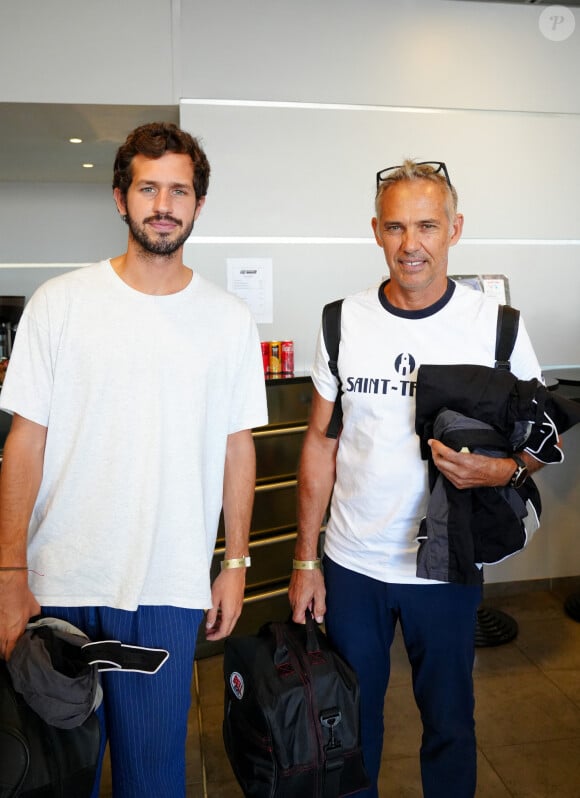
120	201
199	203
375	226
456	229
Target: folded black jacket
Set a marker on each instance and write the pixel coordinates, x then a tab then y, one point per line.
494	414
465	529
524	411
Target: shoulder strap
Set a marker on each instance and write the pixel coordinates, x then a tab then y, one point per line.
508	320
331	314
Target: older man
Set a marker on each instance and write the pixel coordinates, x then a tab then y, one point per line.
378	481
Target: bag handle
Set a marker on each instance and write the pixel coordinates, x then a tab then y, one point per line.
312	640
282	658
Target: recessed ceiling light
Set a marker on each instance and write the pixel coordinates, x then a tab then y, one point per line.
88	165
76	141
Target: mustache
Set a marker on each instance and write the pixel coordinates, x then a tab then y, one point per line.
163	217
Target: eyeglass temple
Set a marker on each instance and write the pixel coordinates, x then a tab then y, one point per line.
441	166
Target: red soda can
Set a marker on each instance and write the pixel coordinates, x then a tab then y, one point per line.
274	366
265	355
287	357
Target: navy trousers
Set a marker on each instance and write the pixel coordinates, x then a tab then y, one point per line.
438	626
144	717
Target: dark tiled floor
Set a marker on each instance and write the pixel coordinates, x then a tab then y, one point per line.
527	714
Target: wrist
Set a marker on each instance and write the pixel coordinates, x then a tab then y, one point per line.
306	565
10	575
519	472
235	562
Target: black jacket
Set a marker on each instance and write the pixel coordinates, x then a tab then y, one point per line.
494	413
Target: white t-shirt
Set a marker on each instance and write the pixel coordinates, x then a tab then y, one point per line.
139	394
381	488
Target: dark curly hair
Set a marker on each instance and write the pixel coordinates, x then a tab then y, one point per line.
154	140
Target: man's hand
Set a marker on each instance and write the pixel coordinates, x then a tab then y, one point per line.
466	470
17	606
307	590
227	593
20	478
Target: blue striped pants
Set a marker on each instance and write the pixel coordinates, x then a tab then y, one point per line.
144	717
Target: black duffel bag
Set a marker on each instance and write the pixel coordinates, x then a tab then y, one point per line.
291	719
38	760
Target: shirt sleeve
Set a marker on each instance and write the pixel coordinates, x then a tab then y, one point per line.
249	402
524	362
324	381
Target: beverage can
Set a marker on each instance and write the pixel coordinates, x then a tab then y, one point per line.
265	355
287	357
274	365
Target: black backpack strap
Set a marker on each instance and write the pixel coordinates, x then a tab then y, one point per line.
333	755
331	314
508	320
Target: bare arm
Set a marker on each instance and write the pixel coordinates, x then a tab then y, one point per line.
465	470
239	483
20	478
316	477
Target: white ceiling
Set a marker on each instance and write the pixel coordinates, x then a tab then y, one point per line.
35	147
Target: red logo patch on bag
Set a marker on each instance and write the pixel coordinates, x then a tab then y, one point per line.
237	684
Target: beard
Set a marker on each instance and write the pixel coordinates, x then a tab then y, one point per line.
162	244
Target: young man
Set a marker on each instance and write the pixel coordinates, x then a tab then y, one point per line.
379	485
134	385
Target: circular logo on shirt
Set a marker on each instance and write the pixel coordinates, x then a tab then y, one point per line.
237	684
405	364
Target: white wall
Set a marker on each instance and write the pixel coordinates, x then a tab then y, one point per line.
438	53
307	175
59	222
81	51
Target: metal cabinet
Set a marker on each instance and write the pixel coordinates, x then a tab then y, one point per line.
273	527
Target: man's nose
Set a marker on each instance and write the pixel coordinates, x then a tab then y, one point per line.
162	202
410	241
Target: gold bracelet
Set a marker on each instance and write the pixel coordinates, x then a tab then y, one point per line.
236	562
306	565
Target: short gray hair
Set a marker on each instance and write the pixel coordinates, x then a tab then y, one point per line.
411	170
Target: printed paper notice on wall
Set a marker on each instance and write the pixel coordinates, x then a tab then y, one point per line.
496	285
251	280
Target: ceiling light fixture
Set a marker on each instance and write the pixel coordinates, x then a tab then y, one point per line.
76	141
88	165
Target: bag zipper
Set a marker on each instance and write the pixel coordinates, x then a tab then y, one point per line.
303	671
